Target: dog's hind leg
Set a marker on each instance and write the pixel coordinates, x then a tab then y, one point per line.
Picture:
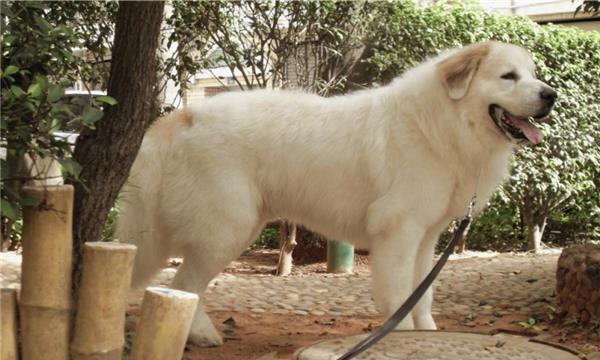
193	276
214	242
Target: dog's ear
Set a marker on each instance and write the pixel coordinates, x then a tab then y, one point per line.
457	71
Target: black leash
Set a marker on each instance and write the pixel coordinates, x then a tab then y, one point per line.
412	300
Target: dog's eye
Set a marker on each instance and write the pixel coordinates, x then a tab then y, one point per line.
509	76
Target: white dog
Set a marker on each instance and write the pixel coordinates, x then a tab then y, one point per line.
385	169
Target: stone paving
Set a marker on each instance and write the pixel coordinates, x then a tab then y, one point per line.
498	285
495	284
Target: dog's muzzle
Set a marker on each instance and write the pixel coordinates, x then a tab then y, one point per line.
517	129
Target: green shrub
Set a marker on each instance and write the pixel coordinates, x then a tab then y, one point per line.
498	228
268	239
555	183
38	64
108	230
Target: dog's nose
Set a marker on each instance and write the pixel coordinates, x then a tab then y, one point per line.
548	95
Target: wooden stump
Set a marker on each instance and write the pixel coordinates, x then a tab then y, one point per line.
9	344
578	281
164	324
45	301
100	321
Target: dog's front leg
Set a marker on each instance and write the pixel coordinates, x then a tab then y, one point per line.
422	310
394	256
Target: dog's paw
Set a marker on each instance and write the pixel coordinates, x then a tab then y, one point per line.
205	338
424	322
406	324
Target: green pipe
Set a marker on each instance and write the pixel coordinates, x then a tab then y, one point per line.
340	257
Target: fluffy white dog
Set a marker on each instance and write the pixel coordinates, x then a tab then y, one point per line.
385	169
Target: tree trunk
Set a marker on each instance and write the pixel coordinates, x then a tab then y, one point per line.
107	153
287	241
535	222
462	245
535	231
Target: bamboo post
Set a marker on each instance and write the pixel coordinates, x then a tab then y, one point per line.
164	324
45	301
102	303
9	344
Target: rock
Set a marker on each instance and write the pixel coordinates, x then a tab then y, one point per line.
578	281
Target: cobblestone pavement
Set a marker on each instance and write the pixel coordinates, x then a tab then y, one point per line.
496	284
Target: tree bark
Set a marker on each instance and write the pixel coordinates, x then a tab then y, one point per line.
462	245
287	241
535	231
536	223
107	153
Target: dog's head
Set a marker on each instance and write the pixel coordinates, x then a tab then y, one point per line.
498	81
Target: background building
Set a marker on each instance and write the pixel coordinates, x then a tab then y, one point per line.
545	11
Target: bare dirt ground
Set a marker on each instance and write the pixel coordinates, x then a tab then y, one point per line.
248	335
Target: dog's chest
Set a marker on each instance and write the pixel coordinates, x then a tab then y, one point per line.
479	184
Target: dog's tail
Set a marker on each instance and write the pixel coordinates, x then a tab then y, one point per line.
140	221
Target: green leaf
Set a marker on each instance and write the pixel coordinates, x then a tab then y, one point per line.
12	195
35	5
9	210
9	39
42	24
35	90
107	100
70	167
55	92
29	106
91	115
17	91
3	167
30	201
11	69
42	80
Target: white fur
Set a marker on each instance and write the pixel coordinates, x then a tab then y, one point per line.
385	169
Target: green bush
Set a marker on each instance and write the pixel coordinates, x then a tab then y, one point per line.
38	42
108	230
268	239
498	228
555	183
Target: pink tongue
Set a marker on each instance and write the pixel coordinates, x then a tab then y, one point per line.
532	133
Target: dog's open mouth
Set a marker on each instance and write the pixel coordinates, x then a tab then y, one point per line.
517	129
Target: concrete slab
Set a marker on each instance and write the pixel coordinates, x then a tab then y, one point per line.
437	345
